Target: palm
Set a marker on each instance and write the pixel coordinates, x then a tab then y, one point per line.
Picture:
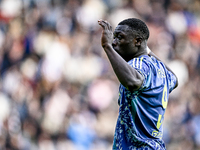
107	33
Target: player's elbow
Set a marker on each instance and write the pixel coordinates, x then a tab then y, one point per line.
176	83
134	85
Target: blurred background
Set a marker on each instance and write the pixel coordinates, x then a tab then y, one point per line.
57	88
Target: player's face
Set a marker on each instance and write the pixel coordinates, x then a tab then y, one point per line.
124	42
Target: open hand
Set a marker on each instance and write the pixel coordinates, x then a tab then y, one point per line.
107	33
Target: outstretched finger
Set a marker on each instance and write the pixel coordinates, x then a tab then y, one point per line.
104	24
109	26
101	23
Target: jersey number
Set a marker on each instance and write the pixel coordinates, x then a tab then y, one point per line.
164	104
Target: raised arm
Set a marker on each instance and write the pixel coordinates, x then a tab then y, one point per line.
127	76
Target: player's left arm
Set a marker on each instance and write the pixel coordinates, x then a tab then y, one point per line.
150	53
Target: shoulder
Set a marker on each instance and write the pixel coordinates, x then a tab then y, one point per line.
140	62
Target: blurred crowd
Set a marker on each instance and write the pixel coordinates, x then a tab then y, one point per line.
57	88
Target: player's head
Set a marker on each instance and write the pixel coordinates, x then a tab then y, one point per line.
130	38
137	26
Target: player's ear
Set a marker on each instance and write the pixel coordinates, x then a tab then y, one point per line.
138	41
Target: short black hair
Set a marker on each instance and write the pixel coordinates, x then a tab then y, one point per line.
138	26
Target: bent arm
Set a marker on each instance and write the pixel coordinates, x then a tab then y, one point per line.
152	54
127	76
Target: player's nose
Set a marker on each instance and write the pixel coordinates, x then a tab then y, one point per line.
114	43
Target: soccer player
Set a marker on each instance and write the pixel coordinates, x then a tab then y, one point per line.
145	85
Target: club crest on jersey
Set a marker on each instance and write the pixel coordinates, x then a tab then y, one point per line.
160	73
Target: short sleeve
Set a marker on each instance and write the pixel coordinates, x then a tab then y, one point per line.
171	80
143	68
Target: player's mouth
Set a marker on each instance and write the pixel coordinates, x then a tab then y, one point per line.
114	47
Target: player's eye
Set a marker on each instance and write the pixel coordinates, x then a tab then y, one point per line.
119	37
